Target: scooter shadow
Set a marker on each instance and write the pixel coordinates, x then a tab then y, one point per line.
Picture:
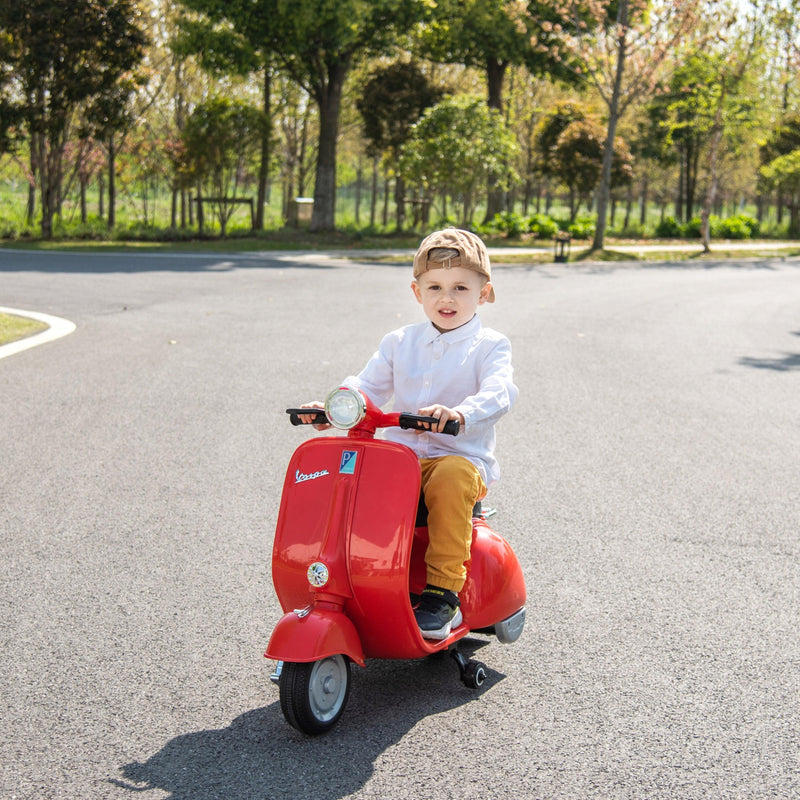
260	756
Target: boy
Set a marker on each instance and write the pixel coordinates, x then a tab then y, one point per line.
450	367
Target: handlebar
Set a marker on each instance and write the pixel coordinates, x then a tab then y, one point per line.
319	416
404	420
415	422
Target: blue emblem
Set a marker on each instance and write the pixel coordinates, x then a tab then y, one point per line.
347	466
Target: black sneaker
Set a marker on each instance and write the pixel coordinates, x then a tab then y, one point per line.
438	611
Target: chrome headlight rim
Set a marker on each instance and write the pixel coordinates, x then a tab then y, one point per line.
345	408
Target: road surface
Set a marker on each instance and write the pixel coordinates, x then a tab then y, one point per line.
650	489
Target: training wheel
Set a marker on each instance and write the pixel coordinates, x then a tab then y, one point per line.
474	675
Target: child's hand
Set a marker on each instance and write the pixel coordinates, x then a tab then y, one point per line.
443	414
307	418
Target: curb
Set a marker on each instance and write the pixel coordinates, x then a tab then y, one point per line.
57	327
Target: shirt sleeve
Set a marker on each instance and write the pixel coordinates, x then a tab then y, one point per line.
496	392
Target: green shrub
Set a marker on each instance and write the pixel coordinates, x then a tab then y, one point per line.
582	228
508	222
693	229
542	226
740	226
669	228
634	230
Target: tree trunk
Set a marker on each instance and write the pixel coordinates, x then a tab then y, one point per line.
711	193
48	160
30	208
495	74
385	197
329	100
643	201
112	183
373	201
263	167
84	215
400	202
613	118
359	180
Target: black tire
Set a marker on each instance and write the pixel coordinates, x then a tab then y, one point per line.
313	695
474	675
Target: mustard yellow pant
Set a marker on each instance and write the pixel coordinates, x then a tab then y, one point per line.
451	486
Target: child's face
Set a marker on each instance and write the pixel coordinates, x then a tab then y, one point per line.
450	297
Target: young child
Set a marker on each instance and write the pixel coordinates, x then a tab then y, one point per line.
450	367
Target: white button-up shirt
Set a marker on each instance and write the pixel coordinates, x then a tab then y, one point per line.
467	369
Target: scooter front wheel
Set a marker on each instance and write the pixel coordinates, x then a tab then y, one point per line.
313	695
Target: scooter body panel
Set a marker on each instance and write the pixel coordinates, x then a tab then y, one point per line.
495	585
310	634
351	505
494	588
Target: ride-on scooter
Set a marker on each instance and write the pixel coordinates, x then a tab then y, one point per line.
349	557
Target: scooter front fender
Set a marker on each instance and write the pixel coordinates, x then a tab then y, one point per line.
312	634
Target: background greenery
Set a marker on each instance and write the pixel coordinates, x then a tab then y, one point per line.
485	113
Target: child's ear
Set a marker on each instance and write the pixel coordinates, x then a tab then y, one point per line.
485	292
417	293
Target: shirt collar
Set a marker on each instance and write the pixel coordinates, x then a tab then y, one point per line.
467	331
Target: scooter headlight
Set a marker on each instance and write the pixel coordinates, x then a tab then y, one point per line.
345	408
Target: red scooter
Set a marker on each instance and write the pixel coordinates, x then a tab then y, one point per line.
348	560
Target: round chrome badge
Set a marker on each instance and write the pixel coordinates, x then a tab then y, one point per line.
317	574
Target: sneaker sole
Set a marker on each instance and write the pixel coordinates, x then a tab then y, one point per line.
444	632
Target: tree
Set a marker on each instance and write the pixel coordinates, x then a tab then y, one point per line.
229	39
578	155
220	139
728	109
778	160
454	147
493	35
393	99
783	173
66	57
570	141
621	46
316	43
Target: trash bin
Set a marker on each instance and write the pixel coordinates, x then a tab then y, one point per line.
303	209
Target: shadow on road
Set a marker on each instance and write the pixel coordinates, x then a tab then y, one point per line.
785	363
109	263
259	755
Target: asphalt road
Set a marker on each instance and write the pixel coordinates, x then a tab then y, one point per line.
650	489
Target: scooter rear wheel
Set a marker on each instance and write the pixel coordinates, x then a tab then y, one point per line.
313	695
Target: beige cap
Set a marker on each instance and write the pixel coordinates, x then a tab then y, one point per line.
471	253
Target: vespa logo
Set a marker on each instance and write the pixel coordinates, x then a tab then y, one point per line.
299	477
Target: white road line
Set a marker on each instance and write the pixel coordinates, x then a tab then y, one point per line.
57	327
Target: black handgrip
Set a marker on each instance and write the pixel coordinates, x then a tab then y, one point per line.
319	416
414	422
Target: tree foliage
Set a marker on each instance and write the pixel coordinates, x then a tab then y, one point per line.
68	59
220	140
454	147
317	42
570	140
393	99
780	165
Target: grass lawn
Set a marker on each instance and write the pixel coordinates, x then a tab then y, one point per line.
13	328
